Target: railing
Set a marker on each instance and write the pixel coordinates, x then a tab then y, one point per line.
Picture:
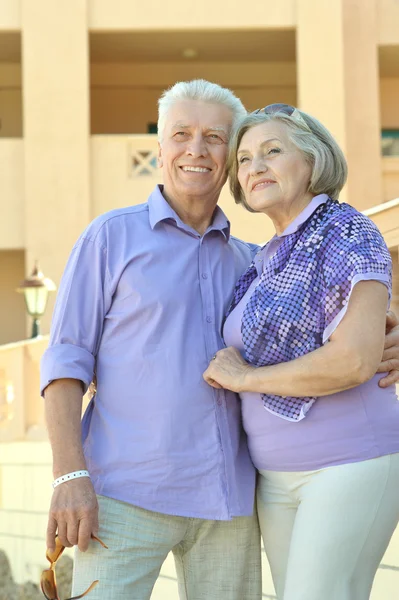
21	407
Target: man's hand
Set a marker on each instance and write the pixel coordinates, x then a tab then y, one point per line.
73	514
390	358
228	370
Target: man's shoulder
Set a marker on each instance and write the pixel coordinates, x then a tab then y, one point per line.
115	220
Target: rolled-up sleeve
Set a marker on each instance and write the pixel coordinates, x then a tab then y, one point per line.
82	302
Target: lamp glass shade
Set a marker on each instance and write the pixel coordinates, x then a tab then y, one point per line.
36	300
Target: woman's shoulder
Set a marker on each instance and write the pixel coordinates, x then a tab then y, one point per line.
343	221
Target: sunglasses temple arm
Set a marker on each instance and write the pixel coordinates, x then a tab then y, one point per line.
93	585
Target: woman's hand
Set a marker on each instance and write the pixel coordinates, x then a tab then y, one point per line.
228	370
390	359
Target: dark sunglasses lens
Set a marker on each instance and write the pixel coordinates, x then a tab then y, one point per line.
272	109
47	583
276	108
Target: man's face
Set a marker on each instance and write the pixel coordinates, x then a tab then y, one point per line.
193	150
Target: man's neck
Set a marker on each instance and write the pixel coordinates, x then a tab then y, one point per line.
195	212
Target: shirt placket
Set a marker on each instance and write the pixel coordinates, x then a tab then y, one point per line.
212	345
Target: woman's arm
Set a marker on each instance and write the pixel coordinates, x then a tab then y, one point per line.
350	358
390	359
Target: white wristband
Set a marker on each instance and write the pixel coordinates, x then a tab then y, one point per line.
70	476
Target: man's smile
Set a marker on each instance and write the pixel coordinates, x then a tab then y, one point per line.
189	169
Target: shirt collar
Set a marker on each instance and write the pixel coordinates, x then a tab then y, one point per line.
304	215
160	210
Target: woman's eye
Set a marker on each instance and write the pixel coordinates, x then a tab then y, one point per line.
274	151
242	160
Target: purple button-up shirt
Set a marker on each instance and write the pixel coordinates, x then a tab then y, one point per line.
141	302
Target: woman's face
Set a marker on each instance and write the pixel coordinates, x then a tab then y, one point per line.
273	173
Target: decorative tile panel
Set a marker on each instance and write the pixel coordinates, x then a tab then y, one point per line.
142	162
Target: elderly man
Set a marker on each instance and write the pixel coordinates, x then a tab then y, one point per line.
141	305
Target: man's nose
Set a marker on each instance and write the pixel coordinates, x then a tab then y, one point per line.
197	146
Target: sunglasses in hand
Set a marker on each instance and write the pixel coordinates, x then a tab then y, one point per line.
47	579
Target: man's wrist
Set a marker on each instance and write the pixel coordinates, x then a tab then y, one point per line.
70	476
69	466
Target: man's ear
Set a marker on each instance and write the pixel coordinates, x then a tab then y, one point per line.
160	159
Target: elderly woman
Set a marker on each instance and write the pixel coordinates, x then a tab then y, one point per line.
305	334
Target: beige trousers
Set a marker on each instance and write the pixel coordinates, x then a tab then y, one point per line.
326	531
215	560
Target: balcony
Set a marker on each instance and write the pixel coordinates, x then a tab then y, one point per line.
124	172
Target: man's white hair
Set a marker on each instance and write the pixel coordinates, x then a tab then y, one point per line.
202	90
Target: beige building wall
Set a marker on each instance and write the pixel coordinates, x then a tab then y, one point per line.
124	96
53	101
334	71
56	131
208	14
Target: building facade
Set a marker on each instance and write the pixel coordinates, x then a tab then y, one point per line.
79	83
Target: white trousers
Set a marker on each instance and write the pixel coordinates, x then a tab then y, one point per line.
215	560
326	531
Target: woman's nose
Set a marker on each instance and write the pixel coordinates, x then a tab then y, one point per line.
258	165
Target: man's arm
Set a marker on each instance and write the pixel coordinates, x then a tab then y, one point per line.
67	368
390	358
74	508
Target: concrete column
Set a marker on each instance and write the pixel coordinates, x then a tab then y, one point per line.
55	62
338	82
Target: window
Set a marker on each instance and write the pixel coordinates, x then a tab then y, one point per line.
390	142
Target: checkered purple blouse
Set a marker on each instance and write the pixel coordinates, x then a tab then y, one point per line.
304	290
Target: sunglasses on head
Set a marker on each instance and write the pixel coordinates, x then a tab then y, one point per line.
47	579
286	109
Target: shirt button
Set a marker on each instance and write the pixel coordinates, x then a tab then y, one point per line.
204	276
209	319
219	402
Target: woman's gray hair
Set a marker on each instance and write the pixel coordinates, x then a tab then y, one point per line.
313	140
202	90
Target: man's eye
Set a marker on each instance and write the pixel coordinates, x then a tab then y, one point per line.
180	133
214	137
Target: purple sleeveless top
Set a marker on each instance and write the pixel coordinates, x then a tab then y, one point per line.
349	426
